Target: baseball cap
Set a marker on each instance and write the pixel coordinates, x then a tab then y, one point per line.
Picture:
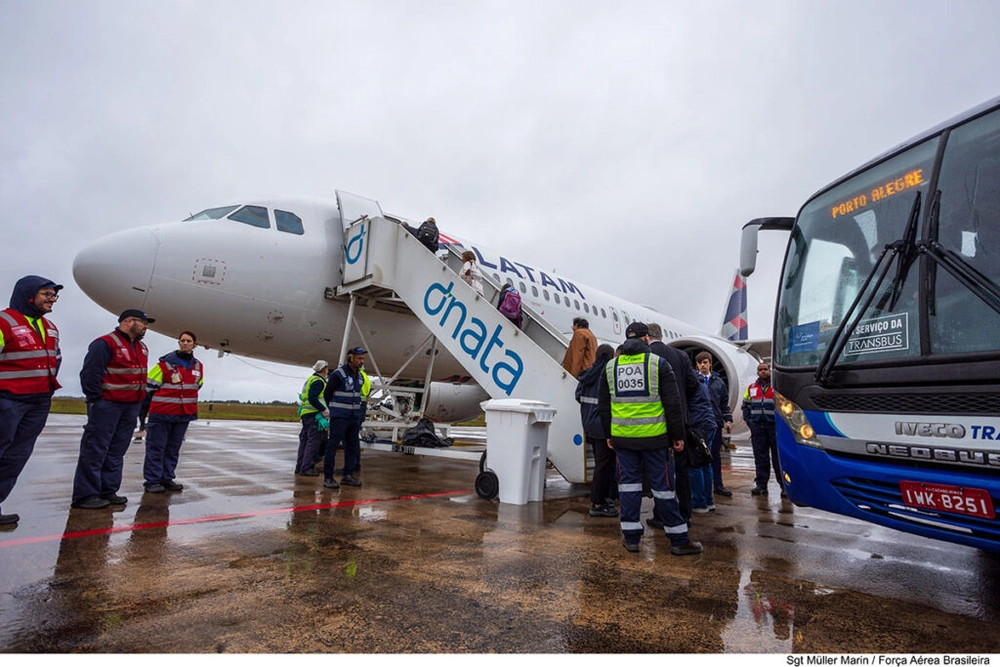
135	312
636	330
52	285
357	350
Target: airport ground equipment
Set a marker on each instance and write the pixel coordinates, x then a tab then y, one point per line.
384	266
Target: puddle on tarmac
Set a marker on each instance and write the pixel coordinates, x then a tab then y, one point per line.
763	623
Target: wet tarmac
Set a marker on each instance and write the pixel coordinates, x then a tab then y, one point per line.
249	558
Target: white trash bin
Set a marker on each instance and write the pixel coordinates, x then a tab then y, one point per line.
517	445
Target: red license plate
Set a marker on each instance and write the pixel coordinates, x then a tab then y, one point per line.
945	498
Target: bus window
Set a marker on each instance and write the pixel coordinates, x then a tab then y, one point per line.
969	227
847	228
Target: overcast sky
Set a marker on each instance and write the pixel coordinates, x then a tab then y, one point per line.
620	143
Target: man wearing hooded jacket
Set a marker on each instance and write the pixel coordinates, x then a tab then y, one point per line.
29	362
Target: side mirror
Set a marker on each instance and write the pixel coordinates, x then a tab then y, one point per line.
748	248
748	243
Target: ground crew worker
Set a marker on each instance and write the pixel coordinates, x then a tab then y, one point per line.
758	413
312	405
343	397
641	409
29	362
366	390
173	384
113	379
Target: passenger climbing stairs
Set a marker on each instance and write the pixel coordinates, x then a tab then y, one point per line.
386	265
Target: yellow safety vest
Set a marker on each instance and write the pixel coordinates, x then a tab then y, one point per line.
636	409
366	385
305	407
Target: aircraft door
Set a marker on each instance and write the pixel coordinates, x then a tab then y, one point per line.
615	320
353	208
355	214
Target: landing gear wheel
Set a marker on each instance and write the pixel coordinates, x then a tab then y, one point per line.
487	485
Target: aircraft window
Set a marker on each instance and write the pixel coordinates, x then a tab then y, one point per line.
534	291
287	222
576	303
496	277
555	297
212	213
524	290
614	316
604	314
545	293
255	216
586	308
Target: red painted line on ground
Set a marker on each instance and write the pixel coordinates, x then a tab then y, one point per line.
223	517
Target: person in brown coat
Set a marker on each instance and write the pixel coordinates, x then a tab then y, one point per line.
582	348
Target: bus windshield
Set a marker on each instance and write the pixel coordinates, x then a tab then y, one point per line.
841	235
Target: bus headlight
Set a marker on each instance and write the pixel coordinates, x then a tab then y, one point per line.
796	420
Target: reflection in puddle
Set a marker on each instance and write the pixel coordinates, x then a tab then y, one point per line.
763	624
370	513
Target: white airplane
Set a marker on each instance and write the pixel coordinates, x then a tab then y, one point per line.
293	280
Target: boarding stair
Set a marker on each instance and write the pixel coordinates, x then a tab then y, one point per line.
383	263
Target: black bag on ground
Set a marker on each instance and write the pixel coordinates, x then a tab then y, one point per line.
427	233
698	451
423	435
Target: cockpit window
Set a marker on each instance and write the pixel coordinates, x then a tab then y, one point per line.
256	216
212	213
287	222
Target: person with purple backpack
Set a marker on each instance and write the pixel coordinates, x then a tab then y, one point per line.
509	304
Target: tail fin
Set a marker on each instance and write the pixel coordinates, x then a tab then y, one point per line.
734	320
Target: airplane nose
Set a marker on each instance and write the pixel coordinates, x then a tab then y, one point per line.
115	271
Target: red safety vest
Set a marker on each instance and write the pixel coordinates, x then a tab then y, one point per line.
177	394
27	363
761	401
124	379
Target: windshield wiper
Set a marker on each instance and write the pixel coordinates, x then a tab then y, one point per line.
903	251
907	253
971	278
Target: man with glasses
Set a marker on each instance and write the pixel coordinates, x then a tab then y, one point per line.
29	362
113	380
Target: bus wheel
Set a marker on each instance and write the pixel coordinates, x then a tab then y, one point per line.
487	485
